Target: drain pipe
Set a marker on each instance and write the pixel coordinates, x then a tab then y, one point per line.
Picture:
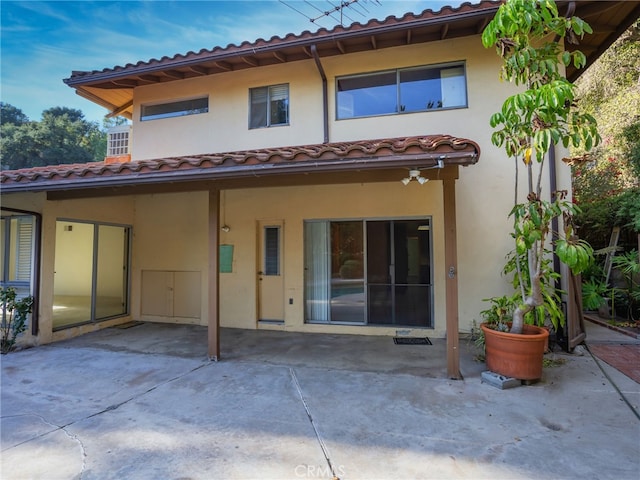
325	104
36	269
563	339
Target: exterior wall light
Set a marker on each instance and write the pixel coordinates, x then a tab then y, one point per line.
415	174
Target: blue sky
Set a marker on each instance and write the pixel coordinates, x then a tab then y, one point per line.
42	42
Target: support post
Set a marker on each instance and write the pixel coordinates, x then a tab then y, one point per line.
451	263
213	330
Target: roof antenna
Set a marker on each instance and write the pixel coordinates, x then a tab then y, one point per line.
334	9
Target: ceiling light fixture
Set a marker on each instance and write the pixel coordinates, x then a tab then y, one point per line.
415	173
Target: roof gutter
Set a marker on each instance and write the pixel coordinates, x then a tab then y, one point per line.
325	100
37	262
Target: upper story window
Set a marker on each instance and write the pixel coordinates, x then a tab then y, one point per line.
175	109
404	90
269	106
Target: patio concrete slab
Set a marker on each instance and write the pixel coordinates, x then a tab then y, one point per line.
146	403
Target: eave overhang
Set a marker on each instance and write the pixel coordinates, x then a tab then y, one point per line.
244	167
113	87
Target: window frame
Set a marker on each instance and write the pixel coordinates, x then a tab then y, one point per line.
269	124
398	72
177	112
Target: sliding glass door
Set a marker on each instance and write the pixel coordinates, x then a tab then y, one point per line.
375	272
91	272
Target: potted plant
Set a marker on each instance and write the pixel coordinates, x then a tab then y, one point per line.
527	35
14	317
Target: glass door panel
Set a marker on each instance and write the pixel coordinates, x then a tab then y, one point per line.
379	272
73	274
411	255
347	272
399	272
111	281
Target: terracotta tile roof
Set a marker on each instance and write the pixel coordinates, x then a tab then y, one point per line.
339	32
331	157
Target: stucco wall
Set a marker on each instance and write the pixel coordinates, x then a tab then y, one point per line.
170	230
484	191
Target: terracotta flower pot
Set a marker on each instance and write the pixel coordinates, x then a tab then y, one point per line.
516	355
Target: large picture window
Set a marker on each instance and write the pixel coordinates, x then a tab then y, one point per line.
402	91
91	273
374	272
269	106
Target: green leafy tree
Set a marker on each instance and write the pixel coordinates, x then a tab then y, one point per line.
10	115
63	136
526	35
607	181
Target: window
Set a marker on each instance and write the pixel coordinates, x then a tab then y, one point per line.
16	234
401	91
175	109
91	273
269	106
272	250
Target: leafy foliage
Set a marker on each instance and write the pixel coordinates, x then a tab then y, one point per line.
14	317
527	34
607	183
10	115
63	136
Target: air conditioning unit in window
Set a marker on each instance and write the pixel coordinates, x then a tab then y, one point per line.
119	144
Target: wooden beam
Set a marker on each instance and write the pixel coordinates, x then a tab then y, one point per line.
408	37
373	42
173	74
226	66
120	109
199	70
340	46
443	31
481	24
125	83
213	329
451	283
250	61
149	78
280	57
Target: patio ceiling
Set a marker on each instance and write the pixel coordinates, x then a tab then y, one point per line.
113	87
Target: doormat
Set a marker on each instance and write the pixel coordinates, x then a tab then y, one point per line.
126	325
412	341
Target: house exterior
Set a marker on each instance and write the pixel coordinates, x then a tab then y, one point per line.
340	181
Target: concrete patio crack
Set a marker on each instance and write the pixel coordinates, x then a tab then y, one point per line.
110	408
141	394
56	428
323	447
